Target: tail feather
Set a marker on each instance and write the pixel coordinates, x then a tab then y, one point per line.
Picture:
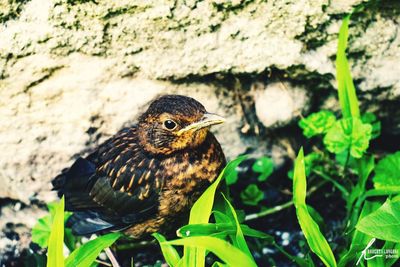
88	222
74	183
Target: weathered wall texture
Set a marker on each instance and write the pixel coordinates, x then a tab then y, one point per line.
73	72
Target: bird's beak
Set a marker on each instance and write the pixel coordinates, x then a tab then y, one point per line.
207	120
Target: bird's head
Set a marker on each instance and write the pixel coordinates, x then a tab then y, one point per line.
174	122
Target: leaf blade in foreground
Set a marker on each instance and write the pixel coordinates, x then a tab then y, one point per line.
310	228
85	255
383	223
55	256
231	255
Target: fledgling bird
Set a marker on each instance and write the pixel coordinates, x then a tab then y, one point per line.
145	178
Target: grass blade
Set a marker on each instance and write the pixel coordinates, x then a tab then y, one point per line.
310	228
231	255
239	237
55	257
170	254
208	229
201	212
347	92
85	255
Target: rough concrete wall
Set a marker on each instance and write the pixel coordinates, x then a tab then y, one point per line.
74	72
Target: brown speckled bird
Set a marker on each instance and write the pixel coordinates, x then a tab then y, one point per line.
147	177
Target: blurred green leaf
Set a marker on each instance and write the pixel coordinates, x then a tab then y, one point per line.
311	161
230	171
264	166
387	172
252	195
317	123
383	223
208	229
314	237
370	118
41	231
85	255
55	256
347	92
170	254
346	134
231	255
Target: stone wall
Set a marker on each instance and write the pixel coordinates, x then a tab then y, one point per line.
73	72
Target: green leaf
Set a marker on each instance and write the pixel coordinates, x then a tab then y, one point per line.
201	211
346	134
41	231
359	240
317	123
311	161
384	223
55	257
85	255
347	92
252	195
231	255
314	237
370	118
264	166
231	174
240	242
208	229
170	254
387	172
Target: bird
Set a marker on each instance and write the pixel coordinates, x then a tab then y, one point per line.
146	177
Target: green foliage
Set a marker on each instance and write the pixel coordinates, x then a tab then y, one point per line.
227	225
317	123
55	257
310	228
85	255
311	161
387	172
348	134
359	240
170	254
347	92
264	166
218	230
370	118
383	223
230	254
252	195
231	175
42	229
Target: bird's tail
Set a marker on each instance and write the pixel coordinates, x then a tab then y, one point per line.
73	184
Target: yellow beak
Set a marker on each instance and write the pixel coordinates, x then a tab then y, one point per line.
207	120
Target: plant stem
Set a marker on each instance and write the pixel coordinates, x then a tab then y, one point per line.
103	263
335	183
280	207
111	257
268	211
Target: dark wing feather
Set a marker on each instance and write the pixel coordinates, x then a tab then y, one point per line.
115	186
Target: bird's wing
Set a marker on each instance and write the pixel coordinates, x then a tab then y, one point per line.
118	184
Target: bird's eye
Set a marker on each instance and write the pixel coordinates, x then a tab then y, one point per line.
169	124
